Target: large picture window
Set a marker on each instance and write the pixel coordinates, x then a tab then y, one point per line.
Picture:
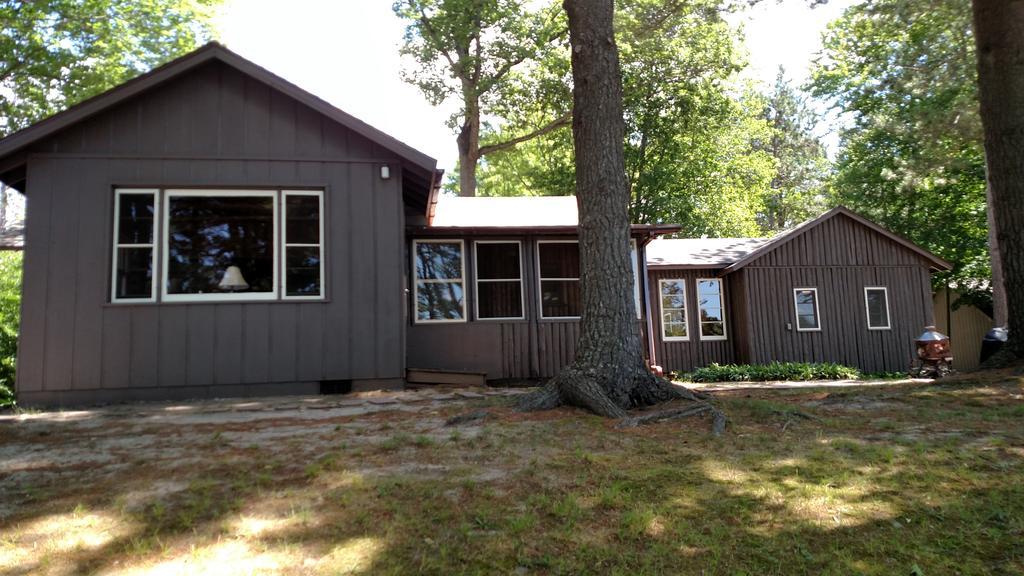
806	303
135	233
217	245
499	280
439	287
712	309
559	266
876	301
673	310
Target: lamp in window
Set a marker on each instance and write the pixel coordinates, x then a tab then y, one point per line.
233	281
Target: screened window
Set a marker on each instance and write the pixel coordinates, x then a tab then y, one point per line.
559	264
220	245
876	300
439	289
303	244
806	302
135	222
673	310
499	280
711	306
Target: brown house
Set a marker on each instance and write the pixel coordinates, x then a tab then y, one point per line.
209	229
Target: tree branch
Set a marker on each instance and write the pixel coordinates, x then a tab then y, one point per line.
562	120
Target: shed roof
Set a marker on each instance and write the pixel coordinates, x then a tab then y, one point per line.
699	252
11	147
510	211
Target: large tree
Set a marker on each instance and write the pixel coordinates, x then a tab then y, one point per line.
904	73
999	33
54	53
483	53
608	375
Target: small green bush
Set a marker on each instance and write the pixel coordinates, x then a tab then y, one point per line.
797	371
10	310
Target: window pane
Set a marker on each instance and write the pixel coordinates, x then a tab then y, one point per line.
712	329
302	271
878	313
807	321
708	288
559	298
438	260
675	330
710	314
439	300
497	261
135	220
134	273
500	299
559	260
210	233
303	219
673	317
713	301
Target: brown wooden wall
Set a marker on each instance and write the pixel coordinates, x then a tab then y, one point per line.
503	349
839	257
694	353
213	127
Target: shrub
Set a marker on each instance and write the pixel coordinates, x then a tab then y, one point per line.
10	310
773	371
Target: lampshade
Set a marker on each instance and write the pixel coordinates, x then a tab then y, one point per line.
233	279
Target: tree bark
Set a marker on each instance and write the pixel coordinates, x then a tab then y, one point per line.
999	34
608	375
468	142
998	287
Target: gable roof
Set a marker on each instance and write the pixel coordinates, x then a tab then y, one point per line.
23	138
783	237
699	252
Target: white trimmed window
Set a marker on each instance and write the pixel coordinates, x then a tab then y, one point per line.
805	301
499	279
558	264
439	289
217	245
673	310
135	233
711	306
876	303
636	275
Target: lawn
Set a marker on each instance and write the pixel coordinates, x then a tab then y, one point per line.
904	479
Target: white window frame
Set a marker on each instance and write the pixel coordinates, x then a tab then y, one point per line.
477	280
721	301
661	310
285	245
218	296
635	257
155	193
867	308
796	309
416	280
540	280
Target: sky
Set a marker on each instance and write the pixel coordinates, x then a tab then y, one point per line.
346	52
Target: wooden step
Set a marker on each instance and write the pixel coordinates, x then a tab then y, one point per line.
426	376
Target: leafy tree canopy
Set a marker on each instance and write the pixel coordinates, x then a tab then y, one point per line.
912	158
54	53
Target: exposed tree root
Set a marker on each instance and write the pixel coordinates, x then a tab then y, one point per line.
1004	358
586	389
467	417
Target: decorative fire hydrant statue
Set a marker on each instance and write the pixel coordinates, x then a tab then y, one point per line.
934	359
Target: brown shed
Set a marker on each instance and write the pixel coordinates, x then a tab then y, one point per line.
837	288
211	229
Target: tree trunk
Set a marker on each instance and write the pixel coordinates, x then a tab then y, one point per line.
999	33
468	142
608	375
998	288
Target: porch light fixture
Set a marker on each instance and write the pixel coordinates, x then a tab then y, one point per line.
385	172
233	281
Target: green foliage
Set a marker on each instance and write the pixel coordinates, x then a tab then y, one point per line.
799	189
692	143
10	311
904	73
776	371
54	53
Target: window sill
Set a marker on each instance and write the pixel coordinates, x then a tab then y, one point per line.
209	303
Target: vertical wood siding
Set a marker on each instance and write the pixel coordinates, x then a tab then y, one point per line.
684	356
840	258
213	127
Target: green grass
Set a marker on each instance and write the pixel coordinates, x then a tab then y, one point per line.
907	479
